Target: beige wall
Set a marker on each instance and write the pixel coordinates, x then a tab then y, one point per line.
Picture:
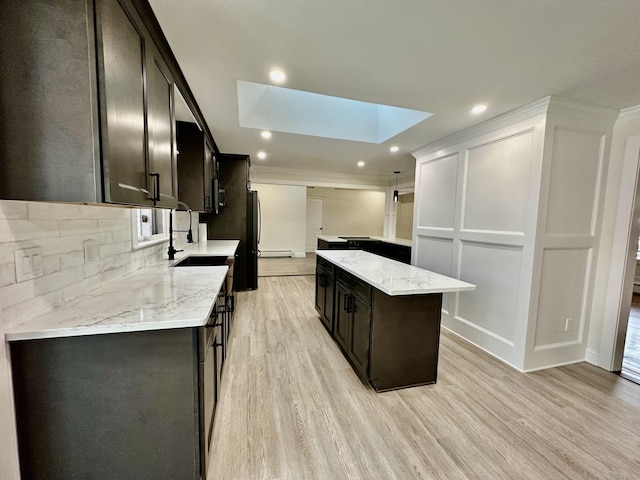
351	212
404	216
284	212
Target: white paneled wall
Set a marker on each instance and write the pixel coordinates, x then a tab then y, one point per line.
61	232
512	206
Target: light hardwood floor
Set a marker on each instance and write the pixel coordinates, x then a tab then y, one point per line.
278	267
292	408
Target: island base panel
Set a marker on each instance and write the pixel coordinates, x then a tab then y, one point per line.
404	340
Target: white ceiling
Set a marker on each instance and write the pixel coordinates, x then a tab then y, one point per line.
440	56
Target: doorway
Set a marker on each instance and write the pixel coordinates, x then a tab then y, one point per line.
631	358
616	335
315	222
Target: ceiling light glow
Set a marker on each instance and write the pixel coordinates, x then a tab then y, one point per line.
266	134
478	109
394	149
277	75
262	155
361	163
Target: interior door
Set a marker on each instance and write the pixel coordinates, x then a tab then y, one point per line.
315	222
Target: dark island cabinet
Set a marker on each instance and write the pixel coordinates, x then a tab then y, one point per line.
325	292
353	320
88	103
390	341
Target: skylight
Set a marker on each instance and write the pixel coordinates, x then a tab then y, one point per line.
295	111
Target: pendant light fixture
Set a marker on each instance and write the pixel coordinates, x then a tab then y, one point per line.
395	192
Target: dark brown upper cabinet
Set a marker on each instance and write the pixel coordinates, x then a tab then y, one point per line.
197	168
87	91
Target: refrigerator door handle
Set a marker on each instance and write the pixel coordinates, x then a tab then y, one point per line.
259	220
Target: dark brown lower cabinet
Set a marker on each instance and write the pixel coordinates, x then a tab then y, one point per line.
136	405
390	341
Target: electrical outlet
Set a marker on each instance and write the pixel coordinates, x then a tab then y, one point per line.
91	251
28	263
568	324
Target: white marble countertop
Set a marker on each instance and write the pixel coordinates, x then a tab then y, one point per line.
391	277
222	248
336	239
153	298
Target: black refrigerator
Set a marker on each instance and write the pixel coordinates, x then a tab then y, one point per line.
253	238
238	218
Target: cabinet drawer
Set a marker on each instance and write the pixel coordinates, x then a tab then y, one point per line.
360	289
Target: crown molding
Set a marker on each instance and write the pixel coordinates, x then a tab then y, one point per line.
519	114
316	178
551	104
630	113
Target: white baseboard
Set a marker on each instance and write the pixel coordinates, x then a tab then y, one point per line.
276	253
592	357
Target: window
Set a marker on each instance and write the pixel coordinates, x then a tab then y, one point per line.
149	226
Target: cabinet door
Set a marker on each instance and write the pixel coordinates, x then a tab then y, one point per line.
209	172
121	80
161	127
321	279
341	316
359	333
327	311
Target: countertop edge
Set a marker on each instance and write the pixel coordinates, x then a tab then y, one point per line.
403	292
102	330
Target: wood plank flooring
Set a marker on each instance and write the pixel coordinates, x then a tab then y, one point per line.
292	408
278	267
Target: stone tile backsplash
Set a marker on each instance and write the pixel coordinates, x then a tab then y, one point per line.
63	232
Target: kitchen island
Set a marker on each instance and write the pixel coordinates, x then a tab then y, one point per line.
384	315
123	381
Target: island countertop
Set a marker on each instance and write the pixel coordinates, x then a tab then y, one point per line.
392	277
155	297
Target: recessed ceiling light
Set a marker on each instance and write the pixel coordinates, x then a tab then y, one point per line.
394	149
266	134
262	155
361	163
479	109
277	75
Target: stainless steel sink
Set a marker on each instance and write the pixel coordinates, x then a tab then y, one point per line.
202	261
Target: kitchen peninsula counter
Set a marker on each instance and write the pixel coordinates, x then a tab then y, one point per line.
126	376
383	314
342	239
394	248
155	297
